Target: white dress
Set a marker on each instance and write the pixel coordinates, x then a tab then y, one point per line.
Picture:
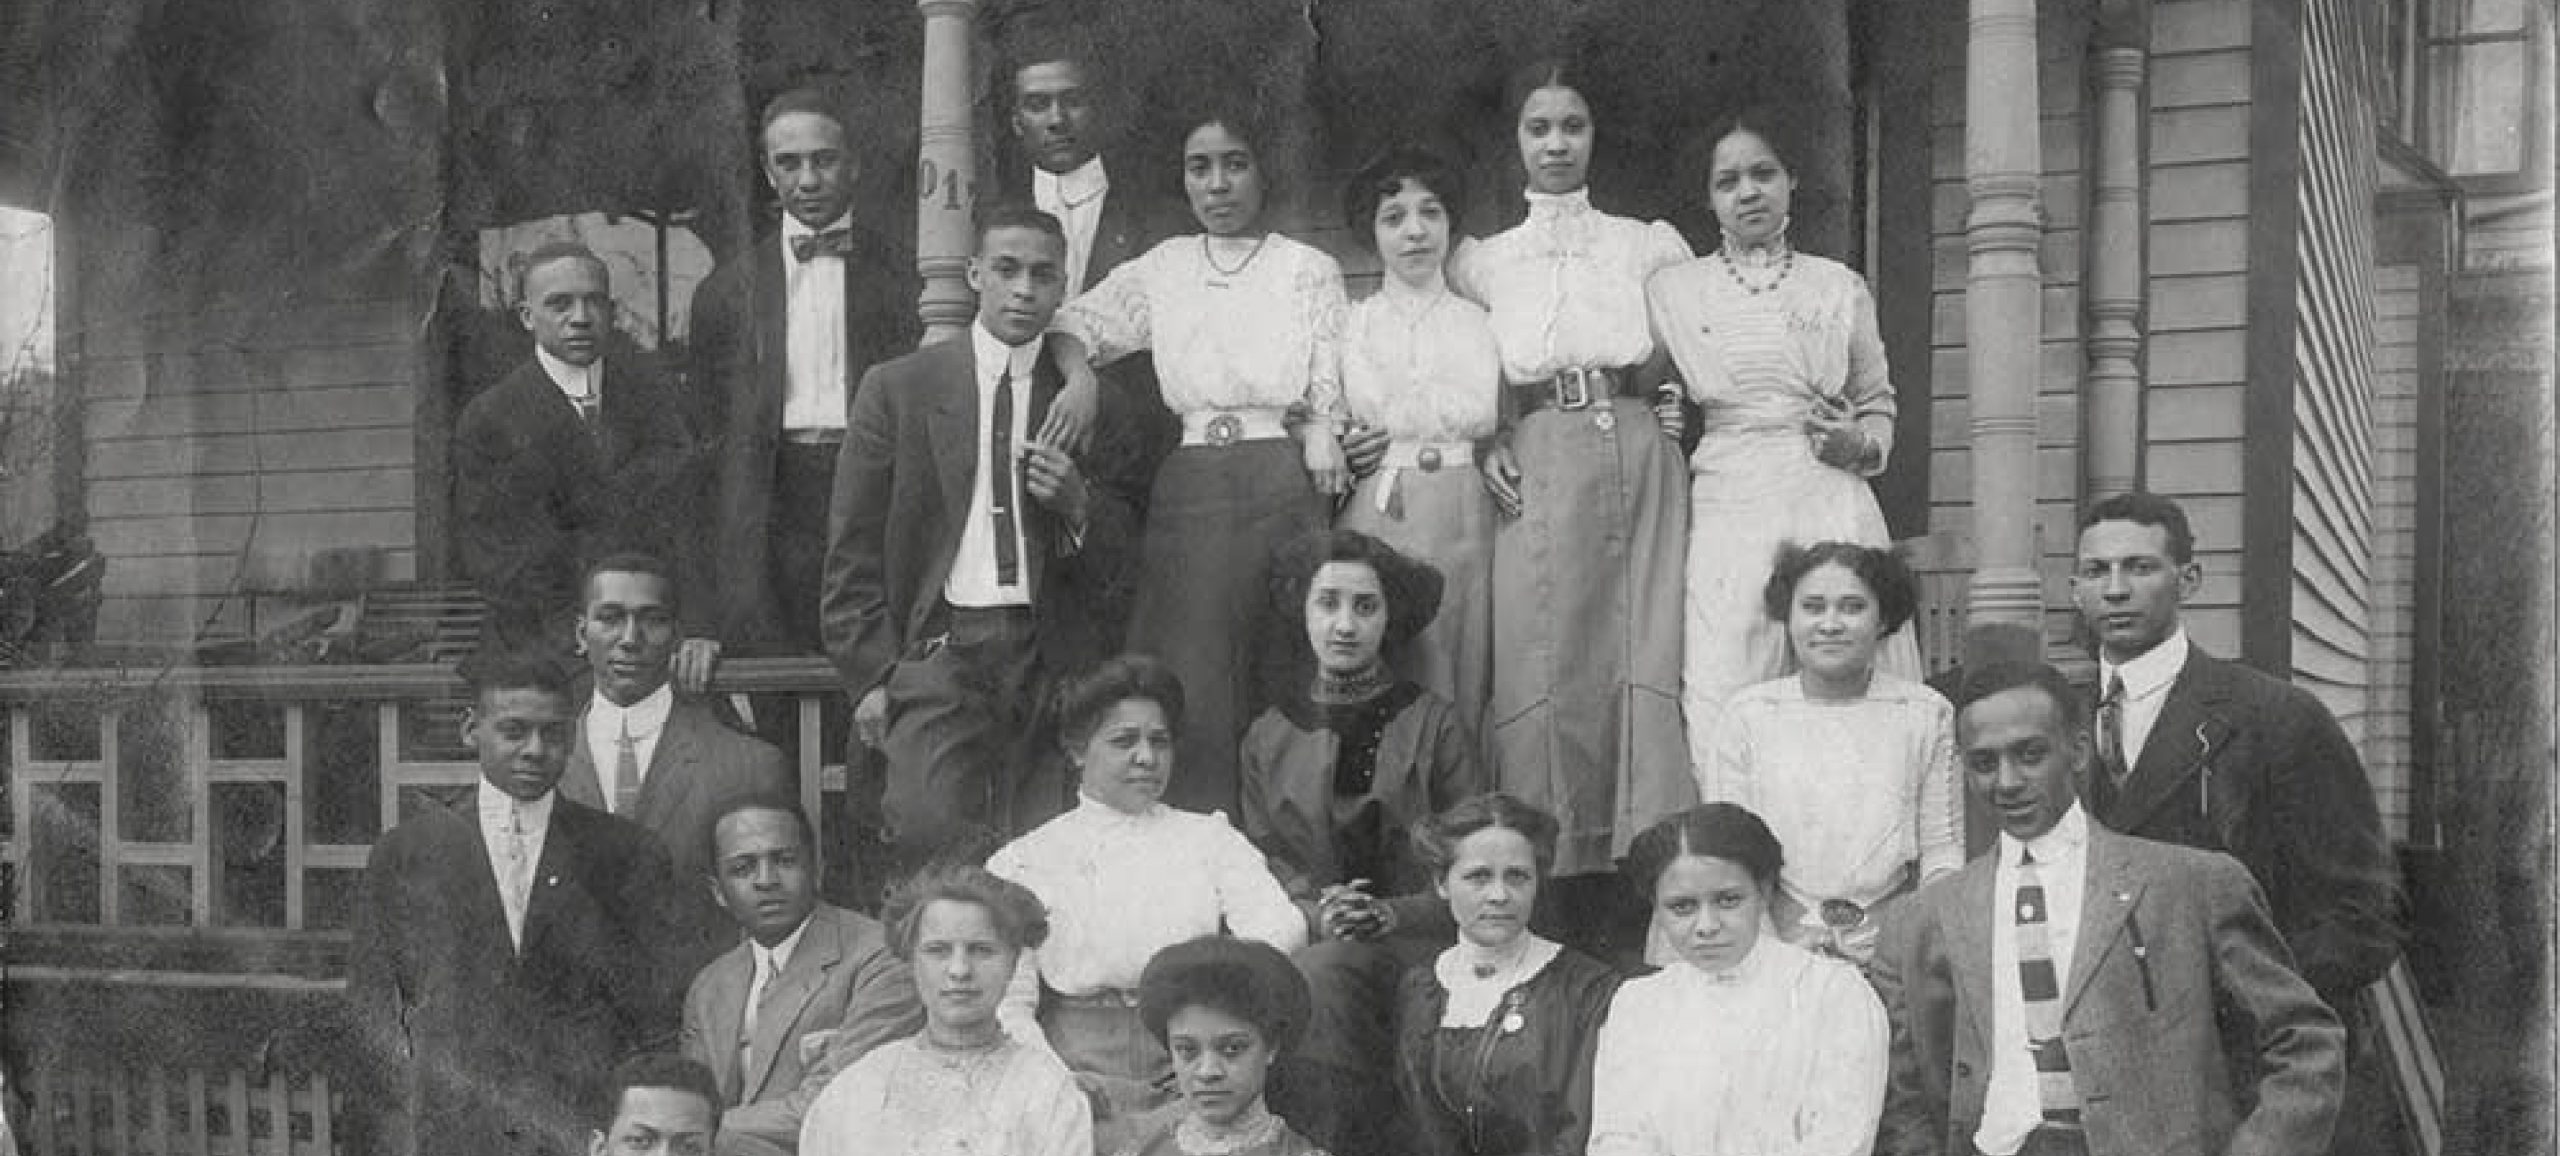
1785	1055
911	1099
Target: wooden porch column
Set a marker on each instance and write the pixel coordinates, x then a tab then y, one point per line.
2002	329
2112	402
946	170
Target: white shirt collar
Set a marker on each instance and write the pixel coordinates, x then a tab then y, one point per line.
779	955
1095	810
1559	204
2068	837
578	381
791	226
646	716
994	355
2152	671
1074	187
495	805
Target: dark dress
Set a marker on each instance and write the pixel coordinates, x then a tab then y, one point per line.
1329	793
1500	1090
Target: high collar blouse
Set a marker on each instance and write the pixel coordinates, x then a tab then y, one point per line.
1267	335
1421	364
1566	287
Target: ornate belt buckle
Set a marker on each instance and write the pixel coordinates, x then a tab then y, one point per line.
1841	915
1224	429
1428	459
1573	388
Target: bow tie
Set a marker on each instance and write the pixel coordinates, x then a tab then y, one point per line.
832	243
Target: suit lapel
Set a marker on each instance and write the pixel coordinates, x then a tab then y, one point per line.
1115	239
2107	899
954	432
773	339
2182	739
665	786
1038	527
1969	939
580	782
789	994
728	1010
559	852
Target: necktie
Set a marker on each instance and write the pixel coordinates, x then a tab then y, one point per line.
755	1002
1001	482
2040	987
626	770
517	882
832	243
2111	752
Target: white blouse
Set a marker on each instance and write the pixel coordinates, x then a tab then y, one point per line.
1764	362
1782	1056
1121	887
1853	789
907	1099
1267	335
1566	287
1422	364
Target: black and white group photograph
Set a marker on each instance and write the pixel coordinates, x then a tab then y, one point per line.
1278	578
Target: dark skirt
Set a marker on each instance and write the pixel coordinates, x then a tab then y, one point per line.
1204	598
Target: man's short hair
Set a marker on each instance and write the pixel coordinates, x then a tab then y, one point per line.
808	99
515	668
1035	40
656	1070
1981	682
550	251
2147	509
629	562
756	801
1018	216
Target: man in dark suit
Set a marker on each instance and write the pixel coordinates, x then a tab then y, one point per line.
666	763
965	554
568	458
2077	992
823	986
657	1102
781	335
2208	753
507	951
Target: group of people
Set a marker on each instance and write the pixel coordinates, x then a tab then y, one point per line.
1287	743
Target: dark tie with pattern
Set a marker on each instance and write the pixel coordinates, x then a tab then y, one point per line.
2040	987
832	243
2113	763
1002	484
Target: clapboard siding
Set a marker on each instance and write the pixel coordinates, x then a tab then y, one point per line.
2391	644
224	449
2332	444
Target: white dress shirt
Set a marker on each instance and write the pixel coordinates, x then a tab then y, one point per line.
501	813
766	964
813	395
1121	887
2146	689
578	382
1074	197
1809	1081
973	580
2011	1105
646	718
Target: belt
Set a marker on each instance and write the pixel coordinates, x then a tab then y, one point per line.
1428	457
1226	427
814	437
1569	390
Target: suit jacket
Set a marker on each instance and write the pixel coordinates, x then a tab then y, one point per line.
740	359
843	994
2255	767
902	494
537	496
2175	957
698	767
486	1048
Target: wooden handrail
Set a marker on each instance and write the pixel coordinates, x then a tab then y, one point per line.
799	674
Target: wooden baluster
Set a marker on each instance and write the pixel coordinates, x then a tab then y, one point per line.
324	1125
161	1143
279	1112
235	1100
199	1115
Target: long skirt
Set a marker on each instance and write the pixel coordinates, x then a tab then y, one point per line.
1204	598
1443	517
1123	1068
1585	718
1753	491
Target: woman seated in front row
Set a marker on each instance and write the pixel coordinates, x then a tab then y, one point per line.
962	1085
1333	783
1745	1045
1125	876
1227	1010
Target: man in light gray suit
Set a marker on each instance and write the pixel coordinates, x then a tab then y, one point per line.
2077	992
652	756
813	989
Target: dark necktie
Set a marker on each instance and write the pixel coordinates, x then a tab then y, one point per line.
1001	481
2040	989
832	243
2111	753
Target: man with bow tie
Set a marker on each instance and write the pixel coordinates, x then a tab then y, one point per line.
509	949
782	333
573	456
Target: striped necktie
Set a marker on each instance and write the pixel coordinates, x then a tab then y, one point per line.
2040	986
1002	481
626	770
